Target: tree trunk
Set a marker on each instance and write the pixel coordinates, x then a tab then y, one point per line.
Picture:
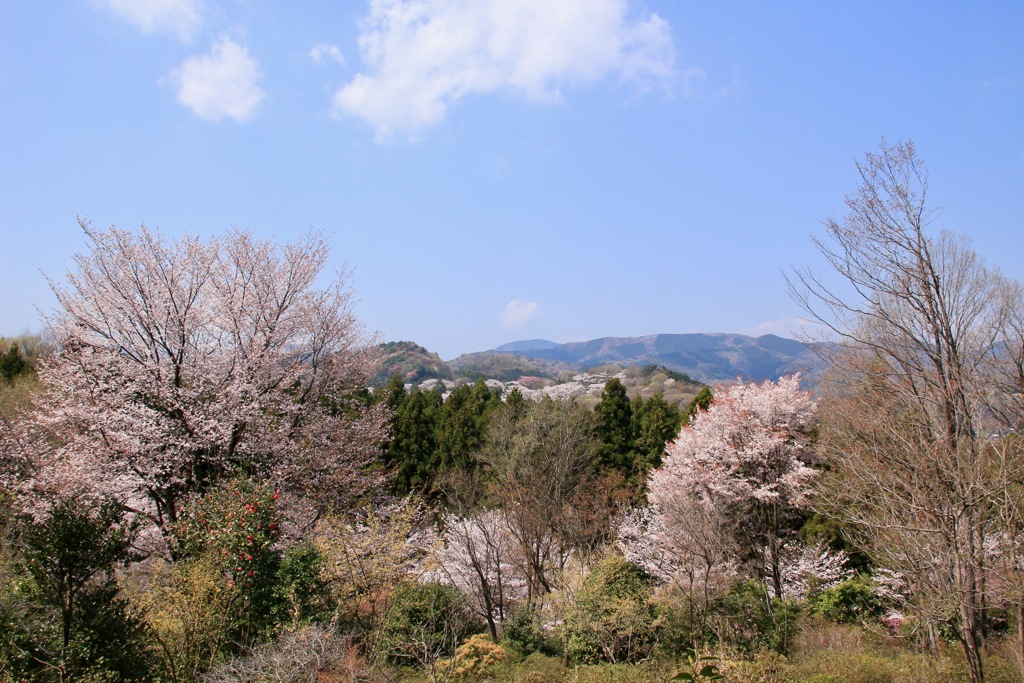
1020	638
969	640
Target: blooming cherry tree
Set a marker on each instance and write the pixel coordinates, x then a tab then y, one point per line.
182	361
737	471
480	557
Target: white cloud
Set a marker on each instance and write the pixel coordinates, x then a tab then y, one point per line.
322	51
182	18
221	84
423	56
518	312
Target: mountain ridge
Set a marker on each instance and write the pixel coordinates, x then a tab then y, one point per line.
708	357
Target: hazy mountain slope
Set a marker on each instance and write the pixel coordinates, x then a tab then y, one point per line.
707	357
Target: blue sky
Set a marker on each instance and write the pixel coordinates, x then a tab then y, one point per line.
494	170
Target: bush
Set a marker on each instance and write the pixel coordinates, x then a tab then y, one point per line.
523	631
682	625
749	620
190	610
612	619
424	622
299	656
237	527
539	668
300	591
851	601
61	610
474	659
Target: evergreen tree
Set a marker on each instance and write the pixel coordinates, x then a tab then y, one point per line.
463	424
701	402
655	422
614	428
412	453
13	364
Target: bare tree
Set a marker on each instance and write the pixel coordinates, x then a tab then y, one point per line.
921	361
180	361
541	463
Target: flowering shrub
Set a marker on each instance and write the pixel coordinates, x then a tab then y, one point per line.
237	528
473	660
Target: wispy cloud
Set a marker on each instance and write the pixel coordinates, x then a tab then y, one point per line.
182	18
321	52
518	312
424	56
221	84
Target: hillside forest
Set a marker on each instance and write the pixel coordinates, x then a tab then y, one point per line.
208	474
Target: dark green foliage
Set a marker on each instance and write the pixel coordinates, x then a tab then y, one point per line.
522	630
13	365
74	544
655	422
851	601
424	621
631	435
411	454
613	619
750	620
463	424
516	403
613	427
431	435
683	625
702	401
63	618
301	592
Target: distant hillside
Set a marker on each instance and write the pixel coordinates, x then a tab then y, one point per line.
411	362
506	367
705	357
526	345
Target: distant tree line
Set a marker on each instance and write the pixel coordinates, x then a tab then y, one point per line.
432	435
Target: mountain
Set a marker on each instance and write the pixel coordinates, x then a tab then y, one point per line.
706	357
526	345
411	362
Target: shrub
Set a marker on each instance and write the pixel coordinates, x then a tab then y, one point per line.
612	618
849	602
474	659
299	656
523	631
750	620
300	590
237	527
189	609
61	609
539	668
424	622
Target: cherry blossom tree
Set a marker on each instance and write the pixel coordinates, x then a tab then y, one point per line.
181	361
734	475
481	558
